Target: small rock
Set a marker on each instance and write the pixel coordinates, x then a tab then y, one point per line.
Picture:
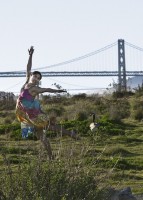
126	194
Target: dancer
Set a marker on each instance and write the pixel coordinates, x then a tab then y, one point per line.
28	109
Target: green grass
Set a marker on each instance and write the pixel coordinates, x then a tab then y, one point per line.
116	161
112	157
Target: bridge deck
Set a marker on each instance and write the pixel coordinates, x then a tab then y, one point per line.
72	73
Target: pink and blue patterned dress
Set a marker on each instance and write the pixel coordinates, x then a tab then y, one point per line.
28	110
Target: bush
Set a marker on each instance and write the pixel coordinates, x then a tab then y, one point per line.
8	120
81	116
55	111
137	106
9	127
119	110
110	127
79	96
81	127
138	114
54	180
16	134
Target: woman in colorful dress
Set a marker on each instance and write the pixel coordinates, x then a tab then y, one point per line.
28	109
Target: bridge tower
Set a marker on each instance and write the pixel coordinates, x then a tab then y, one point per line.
121	66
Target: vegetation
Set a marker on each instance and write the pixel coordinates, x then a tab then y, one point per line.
109	157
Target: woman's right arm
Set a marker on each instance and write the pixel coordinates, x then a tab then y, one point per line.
29	64
37	90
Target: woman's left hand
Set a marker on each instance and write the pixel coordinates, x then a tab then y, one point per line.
31	50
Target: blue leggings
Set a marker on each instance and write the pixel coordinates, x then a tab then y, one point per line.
25	131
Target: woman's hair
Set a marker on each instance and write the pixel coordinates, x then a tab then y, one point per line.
33	73
37	72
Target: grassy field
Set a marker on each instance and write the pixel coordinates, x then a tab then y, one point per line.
110	157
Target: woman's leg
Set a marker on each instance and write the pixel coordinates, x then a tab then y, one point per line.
59	128
53	126
40	134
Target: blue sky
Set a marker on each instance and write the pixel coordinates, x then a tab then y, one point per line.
61	30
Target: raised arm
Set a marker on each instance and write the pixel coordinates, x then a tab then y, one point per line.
29	64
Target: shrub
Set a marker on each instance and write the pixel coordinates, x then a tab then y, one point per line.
16	134
8	120
58	111
119	110
139	90
81	116
51	180
79	96
138	114
137	109
9	127
81	127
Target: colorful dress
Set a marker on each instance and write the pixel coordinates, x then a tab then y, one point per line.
28	110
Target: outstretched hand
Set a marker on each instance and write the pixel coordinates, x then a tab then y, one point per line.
31	50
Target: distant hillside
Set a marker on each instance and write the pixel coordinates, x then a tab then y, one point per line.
133	82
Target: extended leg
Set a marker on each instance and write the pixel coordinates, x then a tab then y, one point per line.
59	128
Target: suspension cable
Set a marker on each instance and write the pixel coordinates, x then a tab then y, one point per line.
81	57
133	46
74	59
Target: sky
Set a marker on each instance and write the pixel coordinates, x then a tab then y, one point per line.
61	30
